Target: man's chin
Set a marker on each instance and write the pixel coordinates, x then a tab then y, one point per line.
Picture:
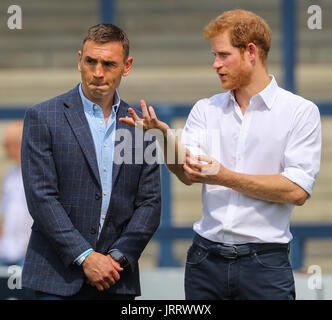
98	93
227	85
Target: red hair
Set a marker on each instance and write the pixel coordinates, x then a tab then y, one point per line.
244	27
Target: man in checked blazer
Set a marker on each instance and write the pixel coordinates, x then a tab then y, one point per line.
93	215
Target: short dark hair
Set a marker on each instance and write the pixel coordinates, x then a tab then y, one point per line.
108	32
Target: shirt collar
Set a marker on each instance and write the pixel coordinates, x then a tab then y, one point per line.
268	94
88	104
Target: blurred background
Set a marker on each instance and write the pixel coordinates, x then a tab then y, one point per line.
172	70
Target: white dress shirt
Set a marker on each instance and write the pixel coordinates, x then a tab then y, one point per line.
17	222
280	133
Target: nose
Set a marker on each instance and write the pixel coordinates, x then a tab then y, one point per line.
98	71
217	64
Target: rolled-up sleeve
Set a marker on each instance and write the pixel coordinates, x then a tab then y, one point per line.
303	150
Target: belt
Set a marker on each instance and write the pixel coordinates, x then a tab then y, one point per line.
232	251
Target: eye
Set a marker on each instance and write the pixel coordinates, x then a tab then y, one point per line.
220	55
223	55
90	60
109	64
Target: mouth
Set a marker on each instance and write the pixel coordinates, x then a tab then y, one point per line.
99	85
222	76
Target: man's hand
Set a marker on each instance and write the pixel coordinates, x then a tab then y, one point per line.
203	169
149	121
168	141
101	271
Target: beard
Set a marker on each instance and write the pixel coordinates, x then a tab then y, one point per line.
239	78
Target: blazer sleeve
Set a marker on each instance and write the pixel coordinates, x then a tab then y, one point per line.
146	216
41	188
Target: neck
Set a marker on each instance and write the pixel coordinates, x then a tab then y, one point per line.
260	80
105	103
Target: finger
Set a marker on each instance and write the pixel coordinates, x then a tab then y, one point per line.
117	268
153	114
128	121
191	172
134	115
99	287
192	164
192	177
191	159
205	158
115	264
107	284
145	112
198	167
115	275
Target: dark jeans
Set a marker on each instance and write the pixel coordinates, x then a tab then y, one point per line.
87	292
265	275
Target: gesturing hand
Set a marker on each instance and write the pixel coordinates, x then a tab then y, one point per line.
149	121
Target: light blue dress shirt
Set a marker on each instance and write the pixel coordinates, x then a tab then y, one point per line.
103	136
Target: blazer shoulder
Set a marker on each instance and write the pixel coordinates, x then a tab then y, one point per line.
55	101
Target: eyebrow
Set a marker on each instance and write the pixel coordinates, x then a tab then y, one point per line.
220	52
103	61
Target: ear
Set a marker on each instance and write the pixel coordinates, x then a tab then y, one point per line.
79	60
253	51
128	65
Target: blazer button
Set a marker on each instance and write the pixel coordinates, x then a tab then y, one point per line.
97	196
93	230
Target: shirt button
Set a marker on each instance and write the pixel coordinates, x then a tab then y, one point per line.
101	122
105	193
103	217
95	107
105	145
105	169
93	230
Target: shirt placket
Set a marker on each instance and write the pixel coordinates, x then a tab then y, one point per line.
107	164
99	125
104	164
238	167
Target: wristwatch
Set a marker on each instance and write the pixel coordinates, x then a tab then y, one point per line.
118	256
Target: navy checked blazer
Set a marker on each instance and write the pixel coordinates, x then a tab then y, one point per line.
63	193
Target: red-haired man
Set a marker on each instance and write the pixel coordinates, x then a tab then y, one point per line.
256	151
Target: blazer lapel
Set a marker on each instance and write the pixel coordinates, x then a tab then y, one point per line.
75	115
